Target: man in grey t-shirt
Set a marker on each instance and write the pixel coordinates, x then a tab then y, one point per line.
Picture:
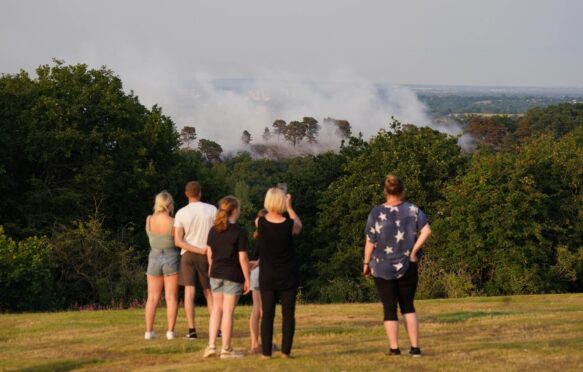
192	225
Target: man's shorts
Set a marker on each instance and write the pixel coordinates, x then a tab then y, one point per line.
226	286
163	262
192	267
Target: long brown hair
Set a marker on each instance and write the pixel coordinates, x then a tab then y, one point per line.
227	206
260	214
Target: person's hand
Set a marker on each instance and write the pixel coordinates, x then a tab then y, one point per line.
365	270
413	257
246	287
288	199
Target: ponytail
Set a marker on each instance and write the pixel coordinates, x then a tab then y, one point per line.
227	206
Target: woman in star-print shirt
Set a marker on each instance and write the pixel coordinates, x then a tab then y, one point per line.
391	256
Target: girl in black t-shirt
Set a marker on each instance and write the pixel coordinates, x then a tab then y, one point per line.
229	274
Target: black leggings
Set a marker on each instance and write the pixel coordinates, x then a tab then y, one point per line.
288	310
400	290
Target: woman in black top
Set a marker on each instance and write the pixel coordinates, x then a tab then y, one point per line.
229	273
279	274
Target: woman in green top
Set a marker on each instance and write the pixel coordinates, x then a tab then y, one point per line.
163	264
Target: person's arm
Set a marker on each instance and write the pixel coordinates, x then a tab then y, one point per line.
368	248
181	243
243	260
209	257
293	215
423	236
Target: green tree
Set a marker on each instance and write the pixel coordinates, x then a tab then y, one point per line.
246	137
515	216
72	141
425	159
187	135
210	149
279	127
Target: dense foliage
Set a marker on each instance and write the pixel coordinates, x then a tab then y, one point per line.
81	160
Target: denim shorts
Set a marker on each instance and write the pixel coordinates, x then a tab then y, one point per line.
226	286
255	279
163	262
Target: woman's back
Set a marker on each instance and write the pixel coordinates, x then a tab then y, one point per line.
279	266
159	231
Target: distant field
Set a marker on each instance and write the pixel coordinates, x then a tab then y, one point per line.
497	333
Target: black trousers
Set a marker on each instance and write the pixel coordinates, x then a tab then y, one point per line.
400	290
288	310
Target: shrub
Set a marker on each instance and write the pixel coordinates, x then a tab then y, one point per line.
26	282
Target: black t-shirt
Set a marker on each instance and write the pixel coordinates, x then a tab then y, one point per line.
225	247
279	266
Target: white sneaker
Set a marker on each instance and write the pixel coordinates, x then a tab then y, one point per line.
170	335
150	335
231	354
210	351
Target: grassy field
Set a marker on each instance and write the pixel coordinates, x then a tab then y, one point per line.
496	333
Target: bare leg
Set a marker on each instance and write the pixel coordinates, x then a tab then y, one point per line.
215	318
392	330
412	327
189	292
209	300
254	321
155	285
229	303
171	292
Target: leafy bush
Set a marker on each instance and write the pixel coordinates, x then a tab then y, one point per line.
94	266
26	282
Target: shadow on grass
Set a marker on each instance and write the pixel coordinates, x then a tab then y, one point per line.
188	347
461	316
62	365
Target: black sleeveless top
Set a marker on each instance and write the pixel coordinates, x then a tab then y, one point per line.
279	265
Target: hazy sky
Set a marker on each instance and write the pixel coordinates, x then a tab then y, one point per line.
465	42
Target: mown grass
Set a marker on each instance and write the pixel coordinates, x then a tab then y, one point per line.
478	333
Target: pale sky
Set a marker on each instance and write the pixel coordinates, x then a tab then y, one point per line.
451	42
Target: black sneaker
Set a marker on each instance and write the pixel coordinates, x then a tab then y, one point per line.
415	352
191	335
394	352
219	334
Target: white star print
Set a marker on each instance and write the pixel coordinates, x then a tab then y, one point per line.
413	209
378	227
398	223
393	209
389	250
406	253
400	236
372	230
377	259
383	217
398	266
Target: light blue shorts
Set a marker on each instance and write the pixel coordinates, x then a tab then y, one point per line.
226	286
163	262
255	279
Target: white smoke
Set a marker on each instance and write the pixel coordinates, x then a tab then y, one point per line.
221	110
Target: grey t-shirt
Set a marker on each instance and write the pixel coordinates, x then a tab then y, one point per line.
393	232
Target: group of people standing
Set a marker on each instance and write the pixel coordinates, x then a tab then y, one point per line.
214	253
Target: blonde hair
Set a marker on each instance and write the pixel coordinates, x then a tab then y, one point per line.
227	206
393	185
164	203
275	200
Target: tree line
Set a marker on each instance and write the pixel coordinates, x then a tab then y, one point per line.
81	160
